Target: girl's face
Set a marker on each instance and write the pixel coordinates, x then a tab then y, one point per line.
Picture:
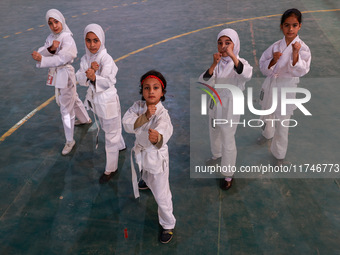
152	91
223	43
290	28
55	25
92	42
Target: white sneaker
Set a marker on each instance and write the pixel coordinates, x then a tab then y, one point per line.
78	122
68	147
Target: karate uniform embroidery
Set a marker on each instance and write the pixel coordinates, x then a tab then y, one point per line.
64	78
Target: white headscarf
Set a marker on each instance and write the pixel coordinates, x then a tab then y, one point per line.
96	29
232	34
54	13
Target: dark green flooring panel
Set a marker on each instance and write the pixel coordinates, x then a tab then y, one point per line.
52	204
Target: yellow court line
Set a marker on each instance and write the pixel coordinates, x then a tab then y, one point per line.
253	43
331	10
27	117
75	16
21	122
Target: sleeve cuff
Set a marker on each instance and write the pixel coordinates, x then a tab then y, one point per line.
207	76
160	141
239	67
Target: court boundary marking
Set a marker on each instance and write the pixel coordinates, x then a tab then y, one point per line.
47	102
79	15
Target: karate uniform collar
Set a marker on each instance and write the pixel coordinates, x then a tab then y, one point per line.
159	108
283	44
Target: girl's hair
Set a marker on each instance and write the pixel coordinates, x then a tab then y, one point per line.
158	75
291	12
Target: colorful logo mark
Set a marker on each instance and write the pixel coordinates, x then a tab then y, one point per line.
213	90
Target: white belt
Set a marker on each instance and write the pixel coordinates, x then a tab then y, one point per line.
138	153
139	150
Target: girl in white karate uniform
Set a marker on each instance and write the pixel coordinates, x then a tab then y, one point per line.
227	68
98	72
283	63
150	122
58	54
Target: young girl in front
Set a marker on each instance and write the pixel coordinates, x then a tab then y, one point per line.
227	68
283	63
58	54
98	72
150	122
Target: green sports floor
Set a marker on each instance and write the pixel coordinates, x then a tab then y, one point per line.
54	204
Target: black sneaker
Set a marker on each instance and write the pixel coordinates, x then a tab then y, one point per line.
213	161
142	185
226	184
262	140
280	162
166	235
106	177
